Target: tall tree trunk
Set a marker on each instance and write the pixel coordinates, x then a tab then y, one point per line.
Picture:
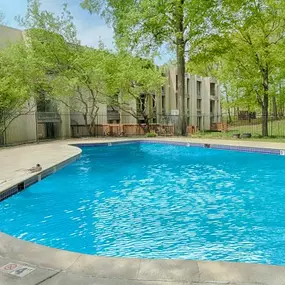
274	108
87	125
265	103
281	103
228	108
180	54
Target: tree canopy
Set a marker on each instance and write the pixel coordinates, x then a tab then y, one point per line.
80	77
144	26
247	51
18	76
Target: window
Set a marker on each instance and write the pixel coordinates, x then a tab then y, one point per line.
198	88
188	103
153	101
212	106
176	82
163	103
212	89
176	101
199	123
162	90
143	102
199	104
188	86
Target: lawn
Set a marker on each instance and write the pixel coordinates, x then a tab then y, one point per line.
276	131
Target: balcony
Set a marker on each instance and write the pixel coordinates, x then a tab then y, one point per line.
113	113
213	97
48	117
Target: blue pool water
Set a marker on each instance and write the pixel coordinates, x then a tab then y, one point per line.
158	201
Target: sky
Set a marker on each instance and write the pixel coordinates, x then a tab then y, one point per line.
90	28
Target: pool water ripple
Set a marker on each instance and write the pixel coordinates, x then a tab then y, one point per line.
158	201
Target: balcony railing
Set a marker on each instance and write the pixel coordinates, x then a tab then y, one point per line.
48	117
113	113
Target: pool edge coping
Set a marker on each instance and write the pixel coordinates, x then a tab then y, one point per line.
240	148
22	184
126	268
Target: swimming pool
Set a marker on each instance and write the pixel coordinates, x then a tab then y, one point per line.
158	201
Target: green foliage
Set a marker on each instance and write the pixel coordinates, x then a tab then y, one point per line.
61	25
144	26
247	52
2	18
151	134
18	75
82	78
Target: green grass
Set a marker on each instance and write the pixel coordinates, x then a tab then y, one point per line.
276	131
275	128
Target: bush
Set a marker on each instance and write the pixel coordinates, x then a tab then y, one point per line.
151	135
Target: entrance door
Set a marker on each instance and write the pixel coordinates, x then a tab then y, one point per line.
50	130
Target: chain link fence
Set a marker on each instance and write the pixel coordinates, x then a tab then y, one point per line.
31	128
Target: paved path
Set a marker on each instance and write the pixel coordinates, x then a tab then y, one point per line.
15	161
53	266
50	266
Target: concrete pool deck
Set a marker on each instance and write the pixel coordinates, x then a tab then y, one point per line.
50	266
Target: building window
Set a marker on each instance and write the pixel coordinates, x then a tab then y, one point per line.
153	101
212	106
176	101
212	89
199	123
199	104
188	86
162	90
198	88
163	103
141	103
176	82
188	103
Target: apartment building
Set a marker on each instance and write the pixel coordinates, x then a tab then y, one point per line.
41	118
202	99
49	119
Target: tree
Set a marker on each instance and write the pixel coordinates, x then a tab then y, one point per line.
45	21
253	32
86	84
2	18
82	78
144	26
139	83
18	74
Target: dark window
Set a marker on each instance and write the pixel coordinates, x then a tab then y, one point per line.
199	103
163	102
176	82
198	88
212	89
176	101
199	122
212	106
188	86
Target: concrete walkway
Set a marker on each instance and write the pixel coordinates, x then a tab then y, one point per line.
30	264
52	266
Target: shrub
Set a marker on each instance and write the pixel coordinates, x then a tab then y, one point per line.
152	134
